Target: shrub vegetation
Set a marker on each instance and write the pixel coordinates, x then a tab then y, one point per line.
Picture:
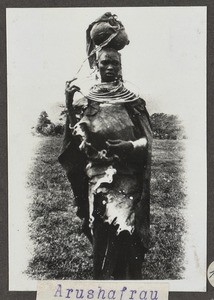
164	126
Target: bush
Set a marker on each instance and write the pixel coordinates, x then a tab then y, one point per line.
164	126
46	127
167	127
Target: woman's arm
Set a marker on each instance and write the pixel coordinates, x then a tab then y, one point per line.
70	90
125	148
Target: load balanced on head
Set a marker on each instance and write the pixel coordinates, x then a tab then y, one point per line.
108	31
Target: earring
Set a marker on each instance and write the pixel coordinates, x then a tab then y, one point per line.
97	73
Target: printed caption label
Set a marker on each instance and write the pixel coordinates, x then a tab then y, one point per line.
101	290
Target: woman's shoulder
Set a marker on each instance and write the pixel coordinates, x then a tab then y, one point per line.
140	101
139	104
138	109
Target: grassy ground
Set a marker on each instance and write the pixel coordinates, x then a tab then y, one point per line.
62	252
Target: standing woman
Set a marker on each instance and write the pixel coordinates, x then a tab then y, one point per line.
107	156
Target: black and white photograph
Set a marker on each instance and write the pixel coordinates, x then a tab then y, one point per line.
107	163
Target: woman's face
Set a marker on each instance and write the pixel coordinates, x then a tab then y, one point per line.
109	65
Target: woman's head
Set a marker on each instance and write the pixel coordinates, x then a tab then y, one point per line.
109	64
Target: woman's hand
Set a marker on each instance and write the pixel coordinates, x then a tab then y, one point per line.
70	90
120	147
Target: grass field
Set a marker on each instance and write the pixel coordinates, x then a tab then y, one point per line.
61	251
